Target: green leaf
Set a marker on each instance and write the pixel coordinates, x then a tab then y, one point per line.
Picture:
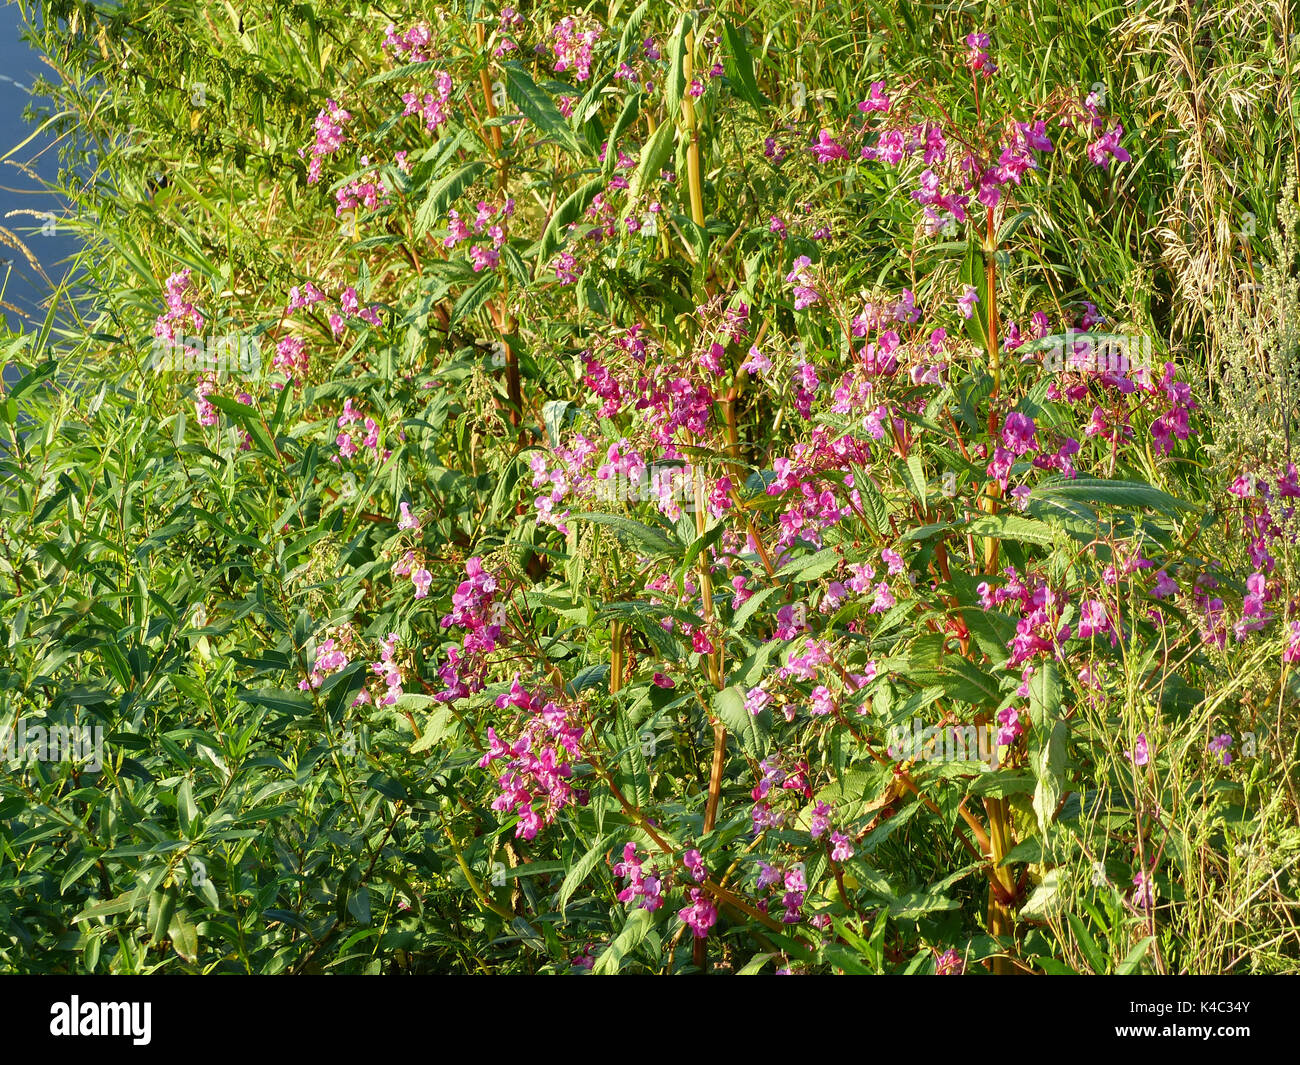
1045	899
675	75
748	607
248	419
289	702
582	868
621	125
638	535
1129	494
1134	957
635	929
1006	526
631	758
972	273
444	193
874	506
536	105
1088	945
750	730
1049	767
475	296
738	65
810	567
654	154
1045	694
569	211
184	938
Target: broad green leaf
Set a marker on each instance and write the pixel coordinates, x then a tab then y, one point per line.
442	194
582	868
738	65
569	211
635	929
536	105
750	730
634	533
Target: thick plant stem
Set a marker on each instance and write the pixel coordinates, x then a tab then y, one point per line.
504	321
714	657
989	502
1001	916
693	135
615	656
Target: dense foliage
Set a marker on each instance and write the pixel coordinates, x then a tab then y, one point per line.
763	488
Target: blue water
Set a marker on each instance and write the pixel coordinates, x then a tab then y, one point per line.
25	289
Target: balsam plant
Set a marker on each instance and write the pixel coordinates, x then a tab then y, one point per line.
684	515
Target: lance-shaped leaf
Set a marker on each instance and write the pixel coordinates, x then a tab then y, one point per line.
536	105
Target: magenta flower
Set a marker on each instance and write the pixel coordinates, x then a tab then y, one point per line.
841	849
828	148
876	99
1141	753
421	578
700	915
977	55
694	864
1019	433
1106	147
1093	618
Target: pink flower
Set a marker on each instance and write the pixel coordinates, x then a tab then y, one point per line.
700	915
841	849
421	578
828	148
883	601
876	100
1106	147
977	56
1144	896
694	864
484	258
967	300
1140	754
1019	433
1093	619
820	822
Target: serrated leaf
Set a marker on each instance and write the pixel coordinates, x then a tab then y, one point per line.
569	211
913	472
442	194
1049	767
581	869
675	75
536	105
631	759
738	65
1132	494
638	925
750	730
654	153
1006	526
1045	693
634	532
